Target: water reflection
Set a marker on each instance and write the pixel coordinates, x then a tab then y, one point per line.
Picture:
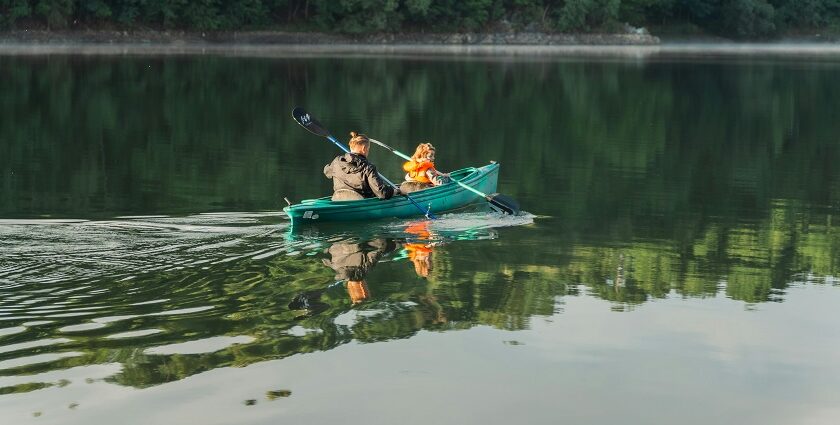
658	190
210	292
351	262
420	247
169	297
213	291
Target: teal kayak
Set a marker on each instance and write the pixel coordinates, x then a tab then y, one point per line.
447	197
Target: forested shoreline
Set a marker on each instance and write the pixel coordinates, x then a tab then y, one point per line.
739	19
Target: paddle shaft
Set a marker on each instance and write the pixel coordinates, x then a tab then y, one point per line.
408	158
427	213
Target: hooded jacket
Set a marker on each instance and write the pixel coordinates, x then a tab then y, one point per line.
352	171
353	261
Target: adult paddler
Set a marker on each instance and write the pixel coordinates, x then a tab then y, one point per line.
354	177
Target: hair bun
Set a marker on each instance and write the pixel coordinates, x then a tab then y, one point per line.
353	134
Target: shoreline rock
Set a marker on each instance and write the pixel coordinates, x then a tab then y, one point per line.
146	37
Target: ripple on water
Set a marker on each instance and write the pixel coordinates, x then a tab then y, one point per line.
63	377
134	334
112	319
12	330
301	331
32	344
36	359
37	323
162	300
181	311
207	345
13	318
82	327
74	314
55	251
104	287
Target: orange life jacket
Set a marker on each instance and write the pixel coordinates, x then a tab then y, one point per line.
421	256
417	170
420	253
419	229
358	291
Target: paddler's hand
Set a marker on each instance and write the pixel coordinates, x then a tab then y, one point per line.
398	192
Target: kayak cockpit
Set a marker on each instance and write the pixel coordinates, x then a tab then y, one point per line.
459	175
447	197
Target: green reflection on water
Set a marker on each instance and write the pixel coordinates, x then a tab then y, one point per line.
651	180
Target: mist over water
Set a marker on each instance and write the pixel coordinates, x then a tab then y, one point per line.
680	241
669	50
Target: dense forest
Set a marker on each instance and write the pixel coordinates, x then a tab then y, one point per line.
732	18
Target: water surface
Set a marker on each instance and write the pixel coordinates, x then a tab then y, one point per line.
680	242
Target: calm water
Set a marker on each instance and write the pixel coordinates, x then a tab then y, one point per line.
679	260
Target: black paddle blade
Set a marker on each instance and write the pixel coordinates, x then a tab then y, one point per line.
309	122
502	203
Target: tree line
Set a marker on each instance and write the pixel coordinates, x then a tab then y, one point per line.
733	18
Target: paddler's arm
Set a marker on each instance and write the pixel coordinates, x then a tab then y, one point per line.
378	186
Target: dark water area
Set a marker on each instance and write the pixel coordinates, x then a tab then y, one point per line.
680	242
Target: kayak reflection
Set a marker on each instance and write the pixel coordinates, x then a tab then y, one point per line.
353	255
352	261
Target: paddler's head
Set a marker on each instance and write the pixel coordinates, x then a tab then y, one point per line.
424	152
359	143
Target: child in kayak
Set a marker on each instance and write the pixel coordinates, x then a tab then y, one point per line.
420	170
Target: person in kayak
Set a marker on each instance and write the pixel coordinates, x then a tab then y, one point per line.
420	170
354	177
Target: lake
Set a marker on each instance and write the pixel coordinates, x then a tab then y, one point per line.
677	261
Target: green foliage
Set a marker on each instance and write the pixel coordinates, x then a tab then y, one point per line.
163	12
640	12
96	8
417	8
244	13
202	14
806	13
748	18
356	16
585	15
697	10
468	15
126	12
12	10
56	13
739	18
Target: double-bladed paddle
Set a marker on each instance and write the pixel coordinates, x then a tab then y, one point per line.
309	122
498	201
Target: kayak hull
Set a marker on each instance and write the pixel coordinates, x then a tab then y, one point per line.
438	199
